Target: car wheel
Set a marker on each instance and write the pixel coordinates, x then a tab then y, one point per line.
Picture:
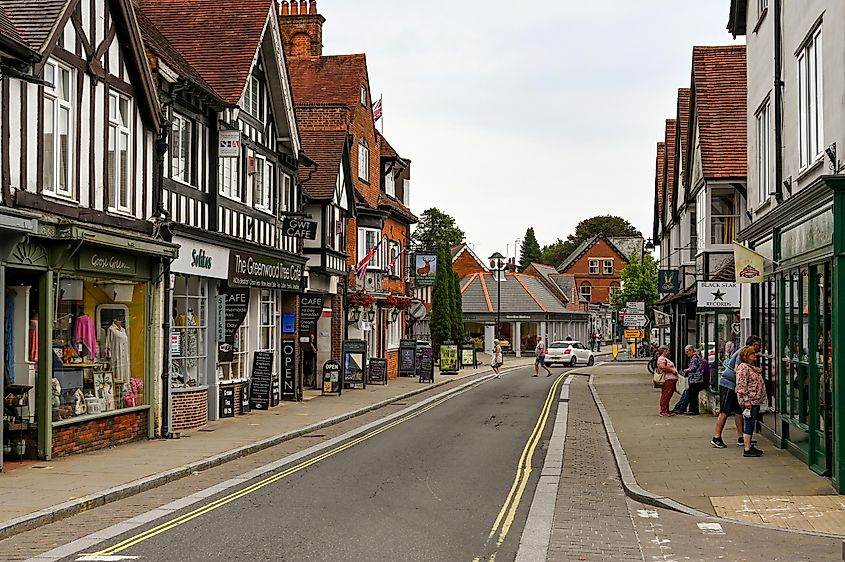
591	361
573	362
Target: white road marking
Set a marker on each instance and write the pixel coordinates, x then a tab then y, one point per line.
648	513
113	558
711	528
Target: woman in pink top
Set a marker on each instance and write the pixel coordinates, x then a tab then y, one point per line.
670	379
751	393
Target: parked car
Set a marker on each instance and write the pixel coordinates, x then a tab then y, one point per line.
568	353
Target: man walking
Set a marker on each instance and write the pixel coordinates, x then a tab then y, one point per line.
728	403
540	358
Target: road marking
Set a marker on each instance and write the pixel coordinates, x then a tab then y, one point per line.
95	558
202	510
711	528
648	513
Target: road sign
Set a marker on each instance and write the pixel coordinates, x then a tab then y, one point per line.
632	334
635	320
635	307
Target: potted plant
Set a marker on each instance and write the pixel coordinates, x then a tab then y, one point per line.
361	299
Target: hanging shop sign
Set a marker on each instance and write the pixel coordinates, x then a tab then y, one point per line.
310	309
354	361
227	402
235	308
288	371
230	144
377	370
407	355
331	377
200	258
669	281
425	269
448	357
425	363
261	380
254	270
748	264
718	294
298	228
100	260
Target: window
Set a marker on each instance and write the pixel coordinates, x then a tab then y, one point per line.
287	202
594	267
763	153
181	132
811	126
363	159
190	306
262	184
334	228
394	330
608	267
58	130
238	369
614	288
229	177
693	236
586	292
389	184
120	196
394	259
367	239
253	98
723	218
701	216
364	96
268	322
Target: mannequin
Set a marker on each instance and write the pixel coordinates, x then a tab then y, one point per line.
85	335
33	339
117	347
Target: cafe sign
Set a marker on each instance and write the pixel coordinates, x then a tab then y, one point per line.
254	270
106	261
199	258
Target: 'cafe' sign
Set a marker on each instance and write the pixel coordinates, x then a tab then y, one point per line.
298	228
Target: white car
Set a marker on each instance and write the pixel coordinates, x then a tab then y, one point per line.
568	353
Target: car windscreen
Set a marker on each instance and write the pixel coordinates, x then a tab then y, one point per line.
560	344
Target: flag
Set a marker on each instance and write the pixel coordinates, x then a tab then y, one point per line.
748	264
377	110
389	267
361	268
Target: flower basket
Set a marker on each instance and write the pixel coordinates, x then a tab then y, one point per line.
399	302
361	299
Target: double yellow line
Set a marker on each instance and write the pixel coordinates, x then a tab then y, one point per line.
507	514
191	515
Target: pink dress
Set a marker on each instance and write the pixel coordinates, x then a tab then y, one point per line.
85	334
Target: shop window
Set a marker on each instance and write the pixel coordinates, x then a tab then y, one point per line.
268	321
99	347
58	123
189	332
238	369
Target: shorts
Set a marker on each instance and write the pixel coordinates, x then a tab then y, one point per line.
541	360
728	402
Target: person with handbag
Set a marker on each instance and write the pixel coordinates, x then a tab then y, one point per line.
695	377
668	374
728	403
751	393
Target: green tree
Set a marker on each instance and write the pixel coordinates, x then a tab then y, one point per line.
639	283
442	306
458	313
607	225
530	251
436	230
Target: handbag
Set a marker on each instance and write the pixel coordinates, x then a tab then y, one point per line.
658	379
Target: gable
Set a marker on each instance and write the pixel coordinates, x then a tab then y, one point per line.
278	84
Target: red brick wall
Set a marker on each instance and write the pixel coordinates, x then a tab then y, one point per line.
362	126
392	364
99	433
323	117
190	409
466	265
600	283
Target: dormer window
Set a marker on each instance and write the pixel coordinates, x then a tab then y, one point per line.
389	184
364	96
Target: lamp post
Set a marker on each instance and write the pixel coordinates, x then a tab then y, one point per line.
498	264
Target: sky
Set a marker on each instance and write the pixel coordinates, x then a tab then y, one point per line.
525	114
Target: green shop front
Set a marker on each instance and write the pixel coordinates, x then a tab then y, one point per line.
798	311
81	312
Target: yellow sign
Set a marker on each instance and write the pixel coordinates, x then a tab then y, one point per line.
748	264
327	386
615	350
631	334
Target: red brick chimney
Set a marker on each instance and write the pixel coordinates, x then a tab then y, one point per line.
302	28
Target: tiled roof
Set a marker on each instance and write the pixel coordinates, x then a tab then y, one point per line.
565	282
719	100
385	201
582	247
669	161
627	245
32	21
7	26
682	124
546	272
218	39
332	79
521	294
660	160
326	149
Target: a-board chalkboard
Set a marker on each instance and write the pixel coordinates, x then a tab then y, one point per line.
245	399
331	377
262	380
227	402
425	363
354	362
377	370
407	355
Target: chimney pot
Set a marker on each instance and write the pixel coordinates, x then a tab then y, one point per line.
285	8
303	7
313	7
294	7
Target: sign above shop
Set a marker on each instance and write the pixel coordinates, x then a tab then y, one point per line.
298	228
200	258
253	270
310	309
106	261
230	144
718	294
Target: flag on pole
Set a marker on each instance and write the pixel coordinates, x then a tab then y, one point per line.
377	110
748	264
389	267
361	268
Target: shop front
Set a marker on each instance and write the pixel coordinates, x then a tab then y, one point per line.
80	304
259	306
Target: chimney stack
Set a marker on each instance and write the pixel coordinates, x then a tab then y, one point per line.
285	8
294	7
302	28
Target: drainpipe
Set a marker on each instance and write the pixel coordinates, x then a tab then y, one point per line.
778	105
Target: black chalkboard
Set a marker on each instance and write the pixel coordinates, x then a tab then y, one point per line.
407	358
227	402
377	370
425	363
245	399
331	377
261	381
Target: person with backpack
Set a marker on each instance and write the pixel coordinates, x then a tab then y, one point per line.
697	375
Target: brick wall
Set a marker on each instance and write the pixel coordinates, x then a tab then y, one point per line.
600	283
466	265
190	409
338	319
99	433
392	364
322	117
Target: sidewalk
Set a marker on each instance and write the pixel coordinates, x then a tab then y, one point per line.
672	458
46	491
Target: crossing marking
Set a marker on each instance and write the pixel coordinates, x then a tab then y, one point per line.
711	528
648	513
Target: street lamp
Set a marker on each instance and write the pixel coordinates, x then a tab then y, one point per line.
498	264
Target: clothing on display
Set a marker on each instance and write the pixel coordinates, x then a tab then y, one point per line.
85	334
117	347
188	324
9	335
33	339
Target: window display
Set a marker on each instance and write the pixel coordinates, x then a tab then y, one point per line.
190	332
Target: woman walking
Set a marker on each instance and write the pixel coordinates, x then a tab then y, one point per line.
496	363
670	378
695	378
751	393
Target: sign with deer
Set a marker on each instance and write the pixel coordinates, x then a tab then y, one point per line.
425	269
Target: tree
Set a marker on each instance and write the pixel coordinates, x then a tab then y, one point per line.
442	306
606	225
530	251
639	283
458	313
436	230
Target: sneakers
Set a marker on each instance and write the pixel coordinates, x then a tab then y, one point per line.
752	452
667	414
718	443
741	443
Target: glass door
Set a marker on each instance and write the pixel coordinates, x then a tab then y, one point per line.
821	370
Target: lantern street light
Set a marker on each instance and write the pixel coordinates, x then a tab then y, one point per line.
498	263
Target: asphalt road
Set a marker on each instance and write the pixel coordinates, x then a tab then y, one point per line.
444	483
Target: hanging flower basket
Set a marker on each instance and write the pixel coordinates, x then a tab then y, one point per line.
399	302
361	298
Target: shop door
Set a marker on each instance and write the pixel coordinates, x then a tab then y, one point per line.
821	411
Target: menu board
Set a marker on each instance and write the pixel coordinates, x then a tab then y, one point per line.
354	361
310	309
331	376
407	355
262	380
448	358
377	369
425	364
227	402
468	357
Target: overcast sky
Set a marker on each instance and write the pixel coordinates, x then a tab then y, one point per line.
533	113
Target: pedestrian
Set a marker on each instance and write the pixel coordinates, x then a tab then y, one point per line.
540	358
695	374
751	393
670	378
728	403
496	362
730	346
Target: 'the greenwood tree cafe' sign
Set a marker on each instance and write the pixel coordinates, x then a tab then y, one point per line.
254	270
